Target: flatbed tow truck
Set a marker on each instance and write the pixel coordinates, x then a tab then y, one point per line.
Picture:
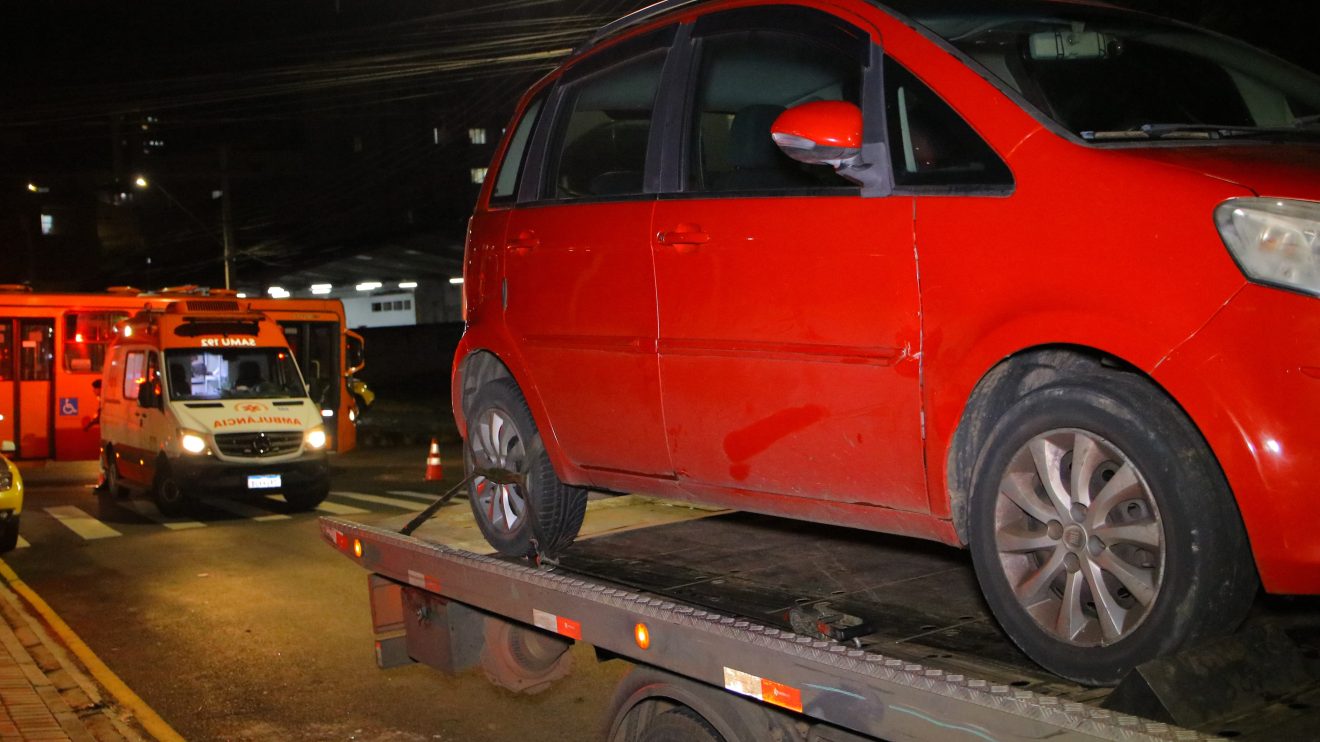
745	627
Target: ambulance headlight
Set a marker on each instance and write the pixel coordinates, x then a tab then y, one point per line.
315	438
192	442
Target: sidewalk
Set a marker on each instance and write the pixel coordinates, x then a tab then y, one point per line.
45	692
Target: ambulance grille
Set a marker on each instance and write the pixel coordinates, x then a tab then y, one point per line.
257	445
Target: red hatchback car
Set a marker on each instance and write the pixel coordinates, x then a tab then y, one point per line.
1037	278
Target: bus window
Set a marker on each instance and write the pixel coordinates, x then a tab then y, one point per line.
86	335
37	351
316	346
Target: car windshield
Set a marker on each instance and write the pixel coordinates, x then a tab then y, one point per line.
247	373
1112	75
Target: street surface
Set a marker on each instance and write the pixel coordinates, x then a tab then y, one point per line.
239	622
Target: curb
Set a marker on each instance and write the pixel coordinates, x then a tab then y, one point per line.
142	714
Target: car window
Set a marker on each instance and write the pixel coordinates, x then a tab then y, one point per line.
506	178
753	65
930	143
603	127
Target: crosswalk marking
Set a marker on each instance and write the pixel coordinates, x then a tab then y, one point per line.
335	508
380	500
91	528
149	512
81	523
243	510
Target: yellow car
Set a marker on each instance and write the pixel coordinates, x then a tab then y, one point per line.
11	504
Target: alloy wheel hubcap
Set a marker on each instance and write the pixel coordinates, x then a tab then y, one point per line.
497	445
1079	537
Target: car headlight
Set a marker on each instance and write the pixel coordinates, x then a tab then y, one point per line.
6	476
315	438
192	442
1274	241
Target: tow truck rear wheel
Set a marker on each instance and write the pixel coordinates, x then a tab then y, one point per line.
519	503
169	496
1103	532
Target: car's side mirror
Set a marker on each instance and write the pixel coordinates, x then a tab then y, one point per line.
147	396
827	132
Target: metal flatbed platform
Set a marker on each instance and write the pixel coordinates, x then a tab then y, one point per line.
724	599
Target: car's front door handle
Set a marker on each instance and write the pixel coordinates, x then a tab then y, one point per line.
526	240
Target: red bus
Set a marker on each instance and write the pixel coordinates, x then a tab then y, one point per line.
52	347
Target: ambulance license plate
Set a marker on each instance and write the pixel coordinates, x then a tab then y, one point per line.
263	481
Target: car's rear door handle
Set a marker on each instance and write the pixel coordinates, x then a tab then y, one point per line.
683	234
526	240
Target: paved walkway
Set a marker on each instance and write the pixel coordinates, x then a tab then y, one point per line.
45	693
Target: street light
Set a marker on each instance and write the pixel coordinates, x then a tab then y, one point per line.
224	240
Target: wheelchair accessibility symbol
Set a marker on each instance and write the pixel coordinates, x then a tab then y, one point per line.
68	406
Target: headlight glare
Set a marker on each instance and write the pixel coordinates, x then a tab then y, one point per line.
1274	241
192	442
315	438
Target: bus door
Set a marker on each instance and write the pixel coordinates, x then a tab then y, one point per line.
315	345
27	349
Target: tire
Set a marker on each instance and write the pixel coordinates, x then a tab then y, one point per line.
681	724
170	498
1150	527
114	487
522	659
306	499
538	513
9	534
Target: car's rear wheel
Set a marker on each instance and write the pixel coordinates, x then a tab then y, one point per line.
519	503
114	486
1102	530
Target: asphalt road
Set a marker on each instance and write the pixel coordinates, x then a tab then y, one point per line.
249	627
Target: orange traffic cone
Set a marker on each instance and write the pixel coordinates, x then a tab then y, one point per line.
434	471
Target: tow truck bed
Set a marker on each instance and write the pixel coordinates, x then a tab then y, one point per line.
726	600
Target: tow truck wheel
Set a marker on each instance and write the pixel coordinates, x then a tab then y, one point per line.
681	724
169	496
1103	533
517	498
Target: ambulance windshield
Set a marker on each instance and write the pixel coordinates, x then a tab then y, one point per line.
233	373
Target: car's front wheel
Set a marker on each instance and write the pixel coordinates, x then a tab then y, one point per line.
1102	530
519	503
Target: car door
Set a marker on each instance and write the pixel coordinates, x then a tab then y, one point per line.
789	327
579	291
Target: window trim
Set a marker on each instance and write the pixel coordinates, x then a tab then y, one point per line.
493	199
675	184
534	190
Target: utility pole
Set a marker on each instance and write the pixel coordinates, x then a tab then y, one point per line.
226	217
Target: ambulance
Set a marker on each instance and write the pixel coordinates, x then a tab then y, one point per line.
203	398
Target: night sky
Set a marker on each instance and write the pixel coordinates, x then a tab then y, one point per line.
344	120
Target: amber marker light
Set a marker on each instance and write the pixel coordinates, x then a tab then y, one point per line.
357	548
642	636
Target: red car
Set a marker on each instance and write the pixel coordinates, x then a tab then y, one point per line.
1036	278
